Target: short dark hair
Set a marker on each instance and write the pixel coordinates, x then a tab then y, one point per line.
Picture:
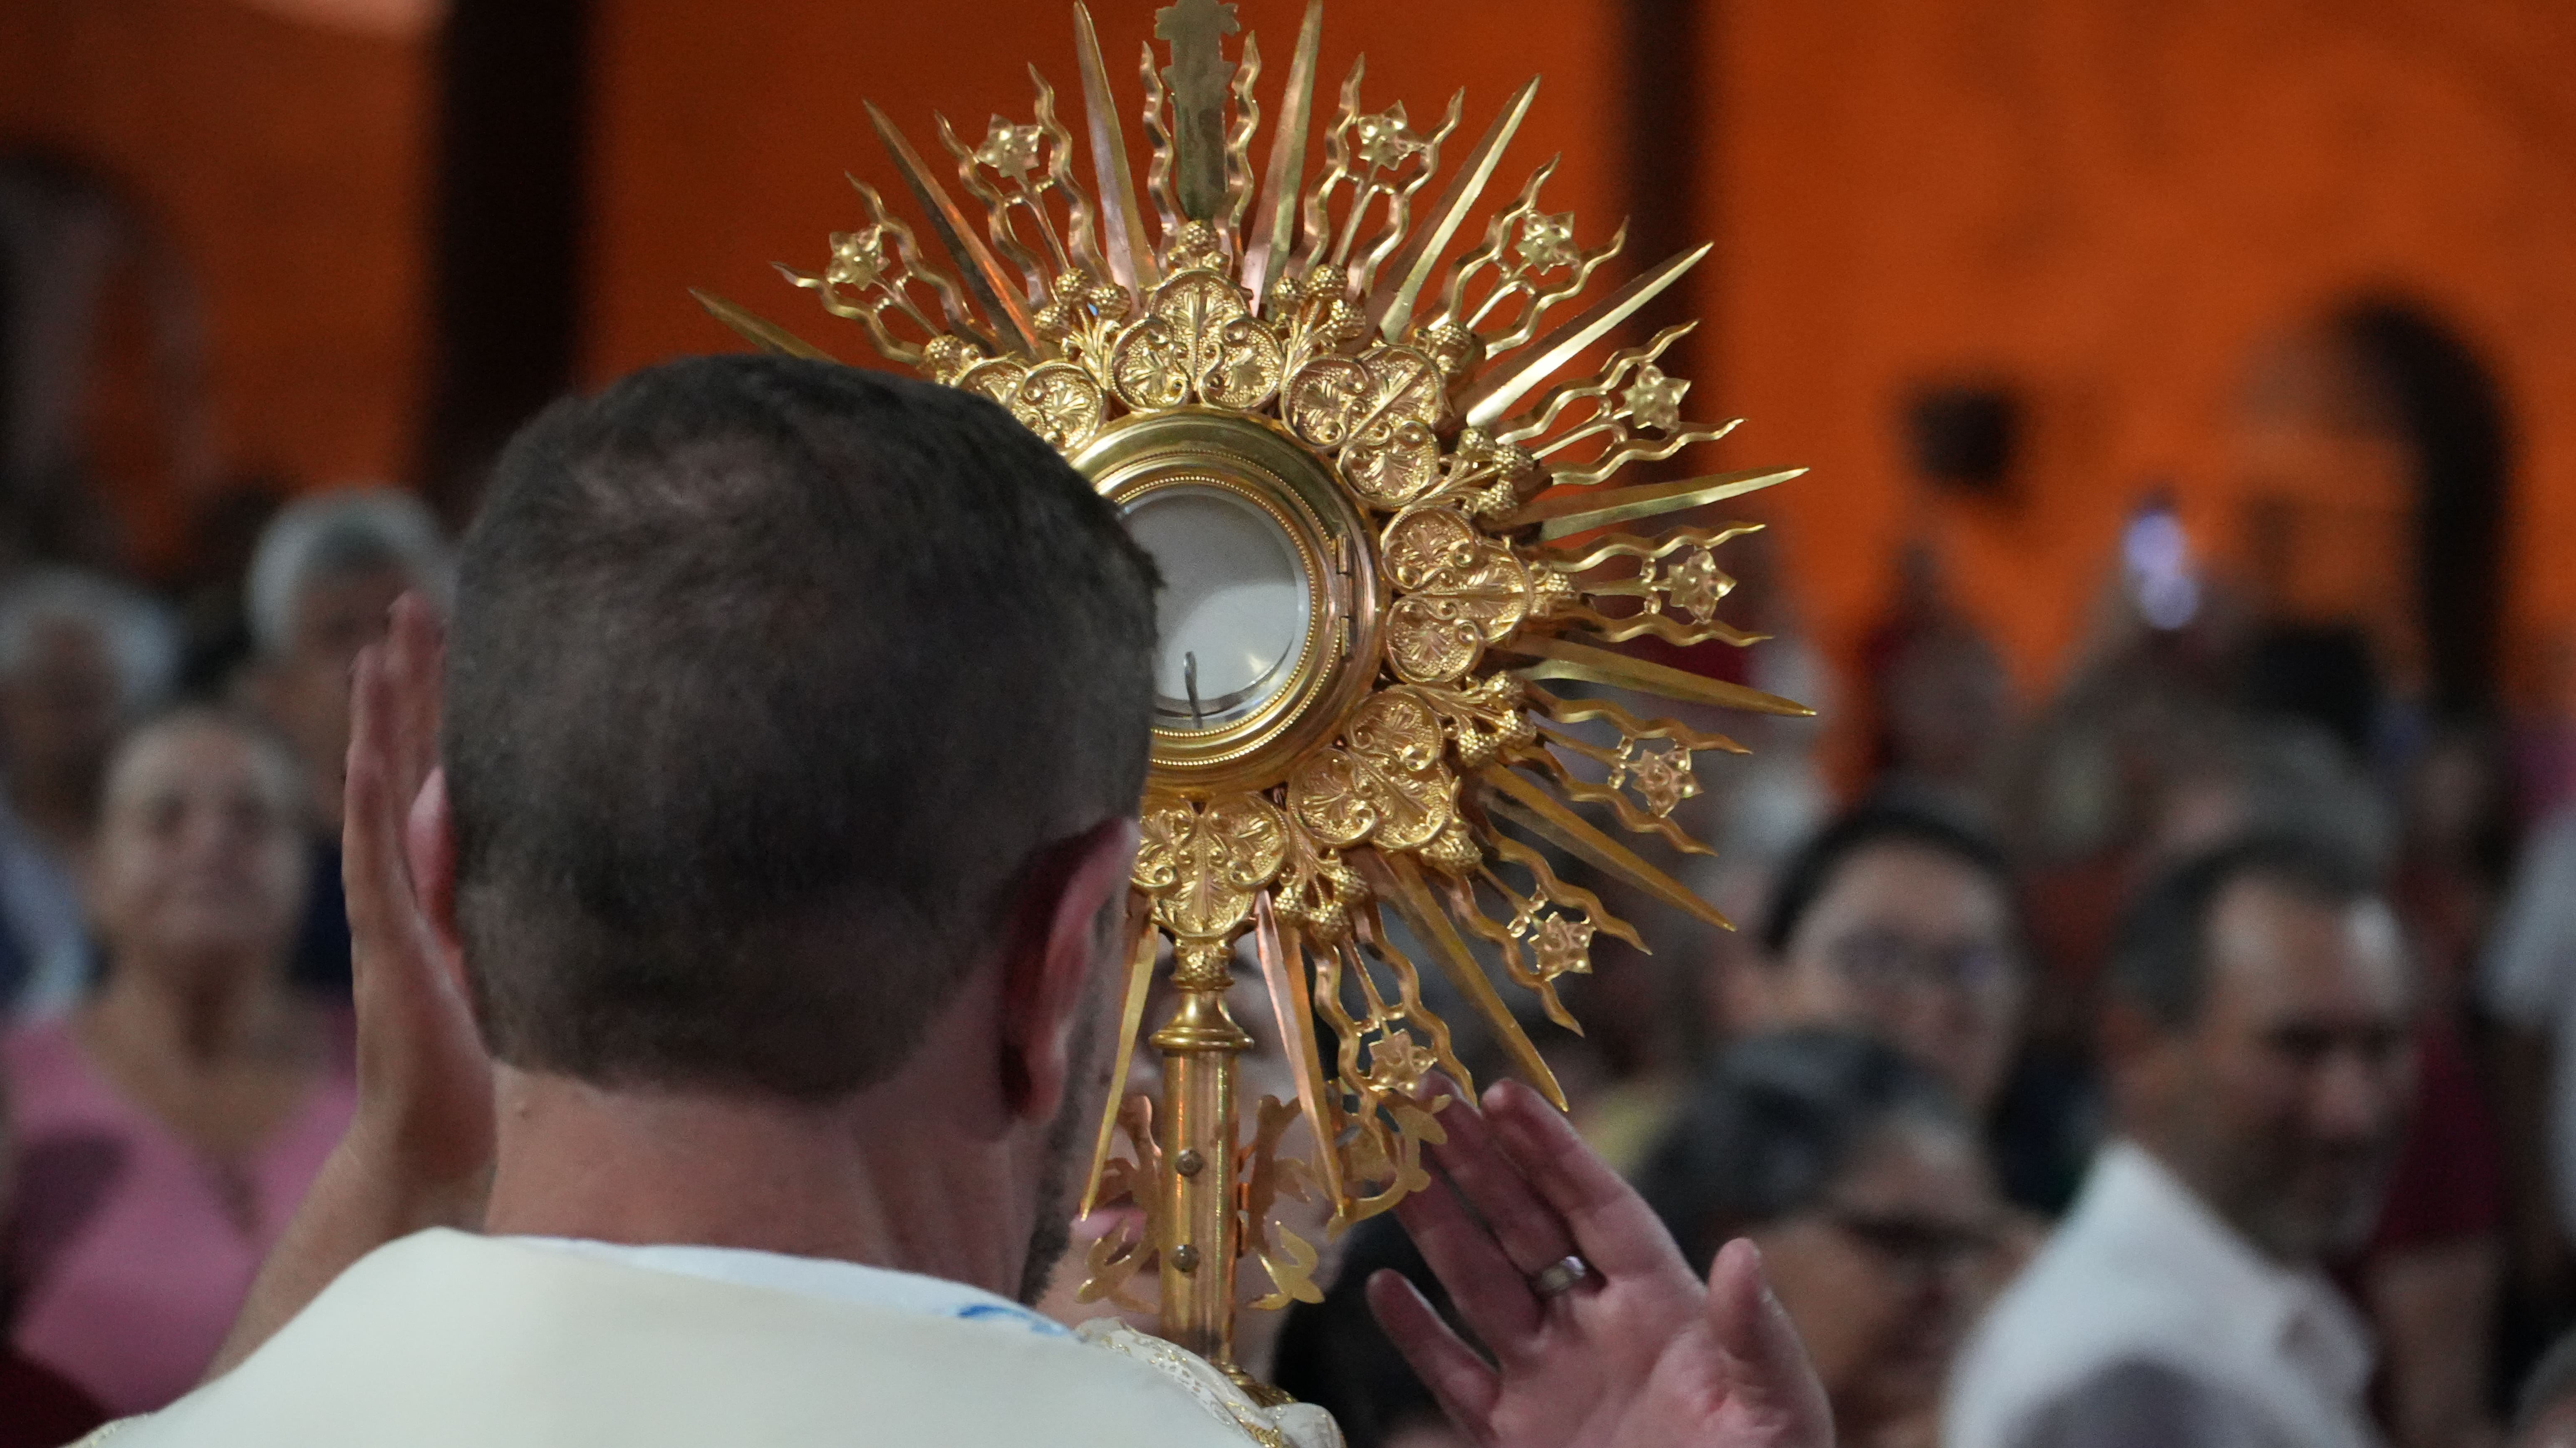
1775	1123
1884	821
2159	960
769	681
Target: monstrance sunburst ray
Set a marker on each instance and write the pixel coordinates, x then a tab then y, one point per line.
1306	351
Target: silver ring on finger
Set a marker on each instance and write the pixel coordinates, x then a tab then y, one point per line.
1559	1277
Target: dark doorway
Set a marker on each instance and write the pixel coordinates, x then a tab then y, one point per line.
505	308
2450	411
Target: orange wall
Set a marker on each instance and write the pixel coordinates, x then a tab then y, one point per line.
723	131
288	165
2111	203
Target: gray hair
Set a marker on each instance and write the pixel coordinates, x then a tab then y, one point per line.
136	632
346	530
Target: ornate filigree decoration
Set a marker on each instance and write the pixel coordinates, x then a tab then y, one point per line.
1377	414
1479	467
1268	1173
1460	591
1115	1258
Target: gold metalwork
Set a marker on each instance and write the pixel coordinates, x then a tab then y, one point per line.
1277	229
1199	79
1390	305
1416	427
1564	515
1462	590
1130	255
1555	921
1564	659
1147	937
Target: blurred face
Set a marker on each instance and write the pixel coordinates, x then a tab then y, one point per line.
58	713
2283	1105
1913	945
306	692
200	865
1879	1278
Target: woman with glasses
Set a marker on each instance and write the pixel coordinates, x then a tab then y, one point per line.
1903	921
1865	1186
1899	920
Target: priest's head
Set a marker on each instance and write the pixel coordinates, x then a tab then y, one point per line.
795	723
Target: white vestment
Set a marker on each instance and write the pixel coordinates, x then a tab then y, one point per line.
450	1339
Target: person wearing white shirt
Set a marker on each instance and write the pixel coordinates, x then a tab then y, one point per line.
2259	1051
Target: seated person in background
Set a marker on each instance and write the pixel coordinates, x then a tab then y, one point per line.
80	658
792	941
327	570
167	1130
2258	1045
1856	1173
2430	1275
1901	920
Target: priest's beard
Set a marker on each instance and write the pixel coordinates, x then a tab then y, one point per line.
1085	1098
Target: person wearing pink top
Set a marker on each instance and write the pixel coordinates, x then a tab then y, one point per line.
166	1131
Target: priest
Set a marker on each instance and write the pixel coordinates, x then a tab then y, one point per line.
735	932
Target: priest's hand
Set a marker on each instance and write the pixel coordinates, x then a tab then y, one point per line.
1600	1335
418	1152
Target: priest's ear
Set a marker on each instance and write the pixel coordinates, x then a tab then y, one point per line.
1058	957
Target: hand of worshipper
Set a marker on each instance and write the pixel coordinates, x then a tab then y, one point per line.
419	1152
1600	1335
425	1083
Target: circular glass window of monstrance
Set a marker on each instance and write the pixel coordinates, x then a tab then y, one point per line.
1234	613
1266	589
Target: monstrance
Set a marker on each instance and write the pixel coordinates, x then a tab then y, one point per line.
1382	500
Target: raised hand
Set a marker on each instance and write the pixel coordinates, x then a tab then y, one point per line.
1600	1334
424	1081
418	1153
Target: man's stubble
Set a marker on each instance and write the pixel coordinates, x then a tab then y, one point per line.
1086	1097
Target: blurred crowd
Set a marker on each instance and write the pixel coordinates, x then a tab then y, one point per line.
2180	1056
2185	1056
174	954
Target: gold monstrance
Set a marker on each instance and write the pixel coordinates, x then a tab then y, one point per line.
1379	511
